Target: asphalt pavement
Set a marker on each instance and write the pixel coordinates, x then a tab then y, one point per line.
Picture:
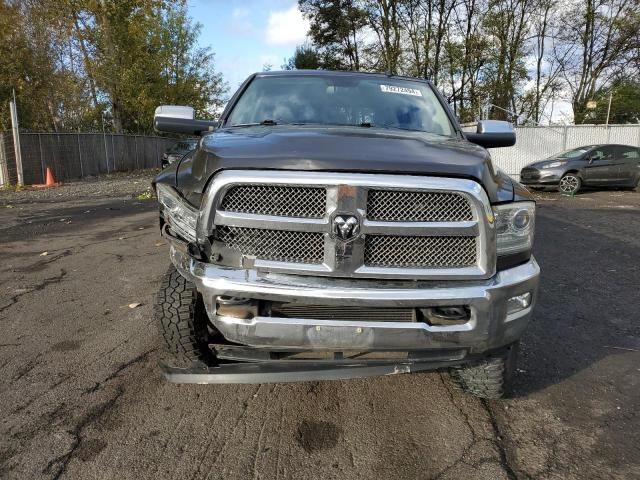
81	396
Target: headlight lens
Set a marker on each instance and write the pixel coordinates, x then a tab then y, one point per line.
553	164
181	216
514	226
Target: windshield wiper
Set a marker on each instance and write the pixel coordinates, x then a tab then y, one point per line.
267	122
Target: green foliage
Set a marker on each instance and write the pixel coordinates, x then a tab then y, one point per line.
625	103
305	58
335	28
146	195
78	63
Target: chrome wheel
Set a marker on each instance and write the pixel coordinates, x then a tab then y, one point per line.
570	184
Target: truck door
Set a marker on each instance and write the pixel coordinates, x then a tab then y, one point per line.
600	168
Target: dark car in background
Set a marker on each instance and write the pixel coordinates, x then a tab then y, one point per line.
591	165
178	150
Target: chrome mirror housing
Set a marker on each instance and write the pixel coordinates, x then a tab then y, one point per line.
180	119
174	111
493	134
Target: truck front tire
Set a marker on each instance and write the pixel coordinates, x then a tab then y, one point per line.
488	378
182	321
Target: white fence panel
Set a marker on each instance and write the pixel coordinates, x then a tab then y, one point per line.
532	143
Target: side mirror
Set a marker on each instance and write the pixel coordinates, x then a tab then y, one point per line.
493	134
179	119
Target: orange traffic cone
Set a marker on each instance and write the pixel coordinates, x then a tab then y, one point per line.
49	182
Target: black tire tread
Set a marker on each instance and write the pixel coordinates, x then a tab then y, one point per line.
489	378
181	320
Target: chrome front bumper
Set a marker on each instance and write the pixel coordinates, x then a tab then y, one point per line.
490	326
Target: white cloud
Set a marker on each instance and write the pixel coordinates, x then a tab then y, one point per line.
286	27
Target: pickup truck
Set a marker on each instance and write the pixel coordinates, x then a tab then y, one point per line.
333	225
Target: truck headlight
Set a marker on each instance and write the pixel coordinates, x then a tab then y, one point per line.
514	226
181	217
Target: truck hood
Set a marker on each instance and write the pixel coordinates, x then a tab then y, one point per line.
338	149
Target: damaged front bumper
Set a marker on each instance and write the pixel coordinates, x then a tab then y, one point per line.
492	323
247	373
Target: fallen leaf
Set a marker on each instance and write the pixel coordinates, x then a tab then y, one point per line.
44	254
134	305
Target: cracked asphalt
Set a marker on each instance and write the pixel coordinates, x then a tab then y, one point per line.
81	396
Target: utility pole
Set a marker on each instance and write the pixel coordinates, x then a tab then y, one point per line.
104	138
16	138
608	110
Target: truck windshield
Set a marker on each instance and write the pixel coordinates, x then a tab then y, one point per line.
365	101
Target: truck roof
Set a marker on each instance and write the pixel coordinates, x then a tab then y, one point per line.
333	73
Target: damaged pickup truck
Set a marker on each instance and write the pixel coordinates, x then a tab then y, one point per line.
338	224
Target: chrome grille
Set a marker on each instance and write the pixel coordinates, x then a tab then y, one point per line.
419	252
407	227
275	245
277	200
412	206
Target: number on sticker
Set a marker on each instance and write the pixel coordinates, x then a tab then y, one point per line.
400	90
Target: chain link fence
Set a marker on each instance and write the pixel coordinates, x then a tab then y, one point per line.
538	143
73	156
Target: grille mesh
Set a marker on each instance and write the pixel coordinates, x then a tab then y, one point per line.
276	245
344	312
415	251
530	174
282	201
402	206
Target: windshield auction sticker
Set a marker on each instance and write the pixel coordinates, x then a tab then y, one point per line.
401	90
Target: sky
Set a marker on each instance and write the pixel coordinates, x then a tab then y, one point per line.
246	35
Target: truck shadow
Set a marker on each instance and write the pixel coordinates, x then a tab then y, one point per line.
587	307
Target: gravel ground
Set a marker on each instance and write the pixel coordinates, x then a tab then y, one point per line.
81	396
130	184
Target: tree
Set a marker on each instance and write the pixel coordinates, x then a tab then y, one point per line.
384	20
600	40
547	67
27	65
507	25
467	56
72	62
305	57
336	27
625	103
